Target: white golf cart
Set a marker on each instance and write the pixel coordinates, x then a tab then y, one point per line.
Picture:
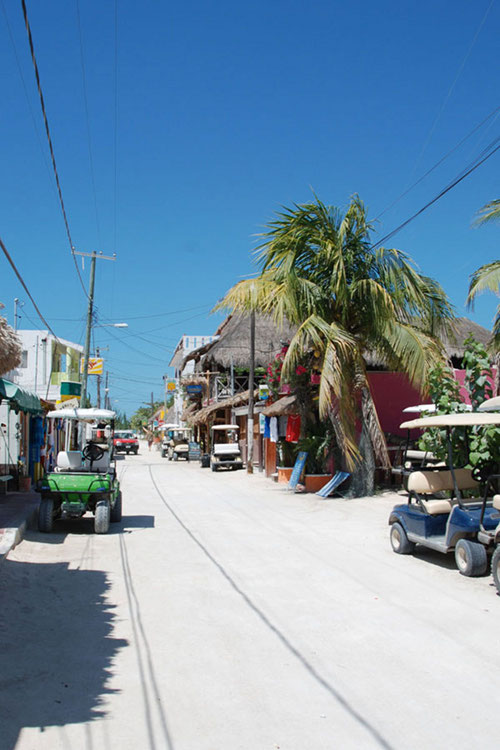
175	443
225	447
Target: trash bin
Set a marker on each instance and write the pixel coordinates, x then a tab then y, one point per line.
205	460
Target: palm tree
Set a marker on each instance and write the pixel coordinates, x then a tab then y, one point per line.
320	271
489	212
487	278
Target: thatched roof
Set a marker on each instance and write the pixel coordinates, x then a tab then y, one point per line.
233	343
237	400
10	347
464	328
282	407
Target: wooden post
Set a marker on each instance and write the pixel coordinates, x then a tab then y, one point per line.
250	395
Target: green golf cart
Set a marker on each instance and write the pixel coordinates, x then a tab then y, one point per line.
84	478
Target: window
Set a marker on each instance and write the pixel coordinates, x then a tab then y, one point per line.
24	359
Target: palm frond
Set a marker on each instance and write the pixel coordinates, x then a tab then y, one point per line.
489	212
484	279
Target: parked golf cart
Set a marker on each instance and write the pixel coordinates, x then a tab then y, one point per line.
491	537
225	447
175	442
84	478
437	514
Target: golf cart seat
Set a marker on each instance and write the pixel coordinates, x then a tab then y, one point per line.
432	482
99	464
69	461
496	502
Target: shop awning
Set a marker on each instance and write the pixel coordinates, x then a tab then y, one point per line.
19	398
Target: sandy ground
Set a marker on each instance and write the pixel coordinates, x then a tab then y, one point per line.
224	613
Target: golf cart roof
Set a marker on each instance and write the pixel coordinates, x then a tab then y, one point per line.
225	427
99	415
468	419
491	404
420	408
428	408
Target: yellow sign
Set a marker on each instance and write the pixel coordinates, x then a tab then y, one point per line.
171	385
95	366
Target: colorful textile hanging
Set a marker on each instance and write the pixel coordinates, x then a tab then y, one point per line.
293	428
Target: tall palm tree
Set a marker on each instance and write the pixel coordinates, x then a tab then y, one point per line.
320	271
487	278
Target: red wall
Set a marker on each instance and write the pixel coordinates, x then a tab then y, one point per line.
392	392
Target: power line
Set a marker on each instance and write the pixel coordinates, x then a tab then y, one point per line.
445	190
89	139
47	130
13	265
450	90
25	89
438	163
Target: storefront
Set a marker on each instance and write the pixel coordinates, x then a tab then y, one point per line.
21	435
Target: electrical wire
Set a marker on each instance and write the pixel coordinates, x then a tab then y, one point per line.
477	163
87	119
450	90
51	148
443	158
25	89
23	284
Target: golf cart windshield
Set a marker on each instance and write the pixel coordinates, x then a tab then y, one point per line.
225	433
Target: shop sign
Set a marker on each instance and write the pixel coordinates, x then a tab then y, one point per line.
194	452
69	403
262	424
263	392
194	388
171	386
95	366
297	469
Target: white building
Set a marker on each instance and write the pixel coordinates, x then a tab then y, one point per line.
187	343
46	362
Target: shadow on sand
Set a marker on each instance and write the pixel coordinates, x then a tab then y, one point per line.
57	646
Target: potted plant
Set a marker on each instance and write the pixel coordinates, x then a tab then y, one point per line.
286	459
318	448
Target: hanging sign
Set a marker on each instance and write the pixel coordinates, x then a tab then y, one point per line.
95	366
70	403
171	386
263	392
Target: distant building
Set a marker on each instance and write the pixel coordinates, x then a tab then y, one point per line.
45	363
186	345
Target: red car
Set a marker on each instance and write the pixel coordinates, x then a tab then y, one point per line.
126	442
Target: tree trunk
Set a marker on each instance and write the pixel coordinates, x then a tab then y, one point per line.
363	476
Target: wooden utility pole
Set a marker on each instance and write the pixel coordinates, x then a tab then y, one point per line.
251	377
90	311
97	352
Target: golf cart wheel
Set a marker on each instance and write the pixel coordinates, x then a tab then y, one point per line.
213	467
495	567
116	511
471	558
163	454
45	515
102	515
399	541
175	456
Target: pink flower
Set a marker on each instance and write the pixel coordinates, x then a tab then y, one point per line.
300	370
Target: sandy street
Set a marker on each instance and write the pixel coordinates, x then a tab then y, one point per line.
225	614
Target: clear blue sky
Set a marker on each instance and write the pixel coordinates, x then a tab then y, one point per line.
225	111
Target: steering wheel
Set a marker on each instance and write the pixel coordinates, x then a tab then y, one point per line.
92	452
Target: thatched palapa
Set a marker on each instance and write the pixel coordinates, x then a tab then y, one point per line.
282	407
10	347
240	398
232	347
